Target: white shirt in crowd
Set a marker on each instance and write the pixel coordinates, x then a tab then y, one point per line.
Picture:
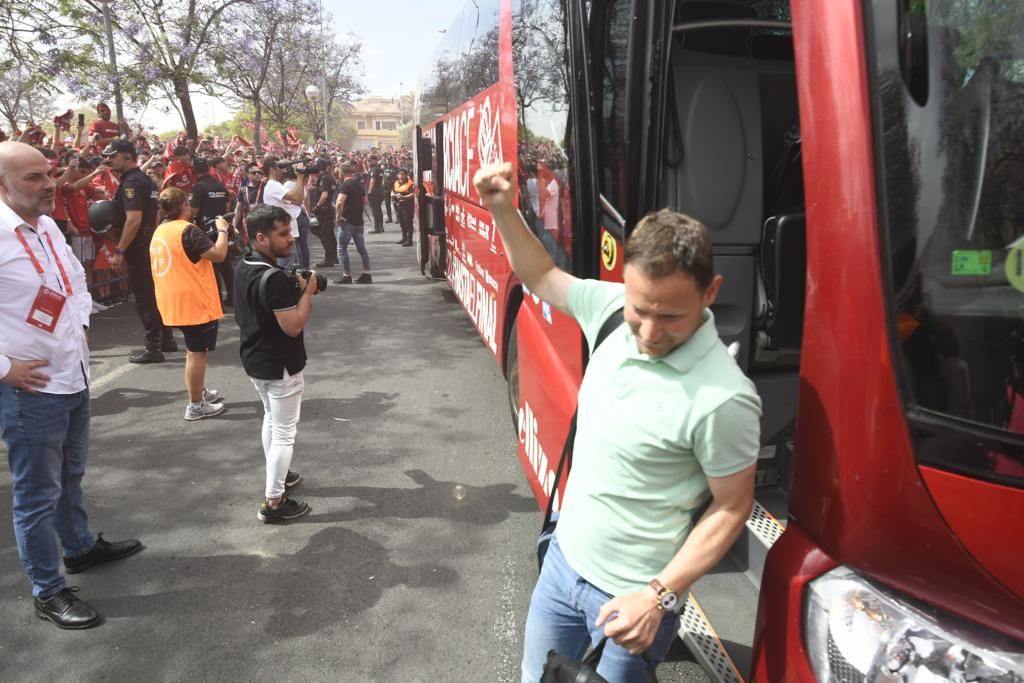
66	349
273	194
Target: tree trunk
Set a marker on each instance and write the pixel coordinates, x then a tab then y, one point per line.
258	121
185	99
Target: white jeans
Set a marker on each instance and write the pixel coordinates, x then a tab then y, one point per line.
282	403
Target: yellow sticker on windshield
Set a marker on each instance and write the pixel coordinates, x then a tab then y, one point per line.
1015	267
609	251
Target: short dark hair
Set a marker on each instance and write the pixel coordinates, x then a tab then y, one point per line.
670	242
201	166
262	218
181	151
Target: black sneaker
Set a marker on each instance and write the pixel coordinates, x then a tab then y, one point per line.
67	610
288	509
344	280
365	279
291	479
401	241
102	551
147	356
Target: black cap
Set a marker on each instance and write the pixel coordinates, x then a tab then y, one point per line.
119	146
201	166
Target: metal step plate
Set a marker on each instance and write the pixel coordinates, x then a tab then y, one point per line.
703	642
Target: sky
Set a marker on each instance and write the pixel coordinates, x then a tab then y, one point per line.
398	38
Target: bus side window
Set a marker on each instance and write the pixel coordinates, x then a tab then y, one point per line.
546	153
611	142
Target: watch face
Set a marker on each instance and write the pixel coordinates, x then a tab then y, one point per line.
669	601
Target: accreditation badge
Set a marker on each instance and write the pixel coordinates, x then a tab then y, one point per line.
46	309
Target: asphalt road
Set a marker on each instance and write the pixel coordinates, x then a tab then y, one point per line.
416	563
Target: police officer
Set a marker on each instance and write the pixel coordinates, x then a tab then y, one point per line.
376	195
209	198
136	200
390	176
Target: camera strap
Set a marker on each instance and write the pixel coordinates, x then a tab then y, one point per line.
261	290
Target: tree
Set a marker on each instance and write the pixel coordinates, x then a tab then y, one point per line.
159	47
23	97
242	52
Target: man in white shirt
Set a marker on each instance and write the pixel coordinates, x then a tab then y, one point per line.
44	389
288	195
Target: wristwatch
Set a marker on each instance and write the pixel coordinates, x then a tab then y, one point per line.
119	251
667	600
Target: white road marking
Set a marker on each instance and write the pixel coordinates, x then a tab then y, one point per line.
106	379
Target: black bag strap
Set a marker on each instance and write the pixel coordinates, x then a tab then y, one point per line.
593	658
610	324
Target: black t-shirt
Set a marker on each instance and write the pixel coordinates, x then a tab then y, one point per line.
354	197
209	197
195	242
376	183
265	349
138	193
325	183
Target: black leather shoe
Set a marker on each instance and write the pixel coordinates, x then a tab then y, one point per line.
67	610
169	346
147	356
102	551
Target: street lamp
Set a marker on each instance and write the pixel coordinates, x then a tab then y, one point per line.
312	93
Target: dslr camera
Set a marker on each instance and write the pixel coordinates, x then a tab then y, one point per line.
306	273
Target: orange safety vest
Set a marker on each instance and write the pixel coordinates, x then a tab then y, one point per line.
186	292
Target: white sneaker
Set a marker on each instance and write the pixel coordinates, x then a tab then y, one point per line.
204	410
211	395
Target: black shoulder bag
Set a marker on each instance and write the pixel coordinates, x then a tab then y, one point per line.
551	517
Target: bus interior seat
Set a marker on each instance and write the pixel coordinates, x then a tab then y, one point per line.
784	270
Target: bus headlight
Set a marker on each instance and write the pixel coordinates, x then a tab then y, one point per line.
858	632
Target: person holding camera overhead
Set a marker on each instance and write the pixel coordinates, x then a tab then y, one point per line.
182	258
288	194
272	307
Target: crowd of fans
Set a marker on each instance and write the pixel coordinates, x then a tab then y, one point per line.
84	176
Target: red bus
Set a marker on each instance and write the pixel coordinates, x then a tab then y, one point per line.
860	164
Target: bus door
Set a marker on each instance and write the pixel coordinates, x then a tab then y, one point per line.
731	158
431	252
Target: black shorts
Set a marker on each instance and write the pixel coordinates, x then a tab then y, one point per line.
200	337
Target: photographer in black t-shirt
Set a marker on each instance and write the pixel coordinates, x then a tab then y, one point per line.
209	198
271	309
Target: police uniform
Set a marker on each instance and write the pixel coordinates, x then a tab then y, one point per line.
390	176
210	198
138	193
376	195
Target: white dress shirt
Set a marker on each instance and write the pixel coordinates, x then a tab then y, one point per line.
66	350
273	194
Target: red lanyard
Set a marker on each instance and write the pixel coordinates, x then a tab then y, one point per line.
39	267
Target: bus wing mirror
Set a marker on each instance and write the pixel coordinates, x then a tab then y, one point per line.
426	155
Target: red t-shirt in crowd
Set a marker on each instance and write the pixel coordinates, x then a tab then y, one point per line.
180	175
106	129
77	203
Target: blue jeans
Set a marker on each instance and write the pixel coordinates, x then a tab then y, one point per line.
47	438
562	613
346	232
302	241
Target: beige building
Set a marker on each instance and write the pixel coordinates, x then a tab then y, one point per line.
376	121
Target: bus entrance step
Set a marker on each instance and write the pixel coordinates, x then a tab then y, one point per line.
717	625
760	533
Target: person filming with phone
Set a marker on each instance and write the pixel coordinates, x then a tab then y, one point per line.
182	257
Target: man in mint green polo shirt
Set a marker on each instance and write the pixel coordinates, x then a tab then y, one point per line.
667	421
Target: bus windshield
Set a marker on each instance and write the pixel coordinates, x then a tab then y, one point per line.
953	148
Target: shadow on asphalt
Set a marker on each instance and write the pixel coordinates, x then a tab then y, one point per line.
287	595
115	401
482	505
369	404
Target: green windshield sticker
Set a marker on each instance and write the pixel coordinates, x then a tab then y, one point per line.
972	262
1015	267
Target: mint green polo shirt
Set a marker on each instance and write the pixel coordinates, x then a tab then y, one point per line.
649	432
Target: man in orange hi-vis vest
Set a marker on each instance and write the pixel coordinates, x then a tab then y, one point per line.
182	258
